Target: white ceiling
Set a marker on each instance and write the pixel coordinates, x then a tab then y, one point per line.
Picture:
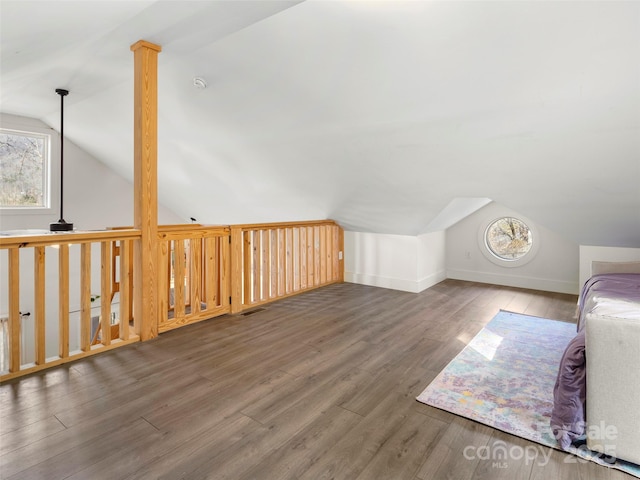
388	116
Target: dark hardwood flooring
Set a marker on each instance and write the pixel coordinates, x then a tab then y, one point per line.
318	386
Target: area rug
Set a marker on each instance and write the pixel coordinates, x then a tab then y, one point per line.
504	378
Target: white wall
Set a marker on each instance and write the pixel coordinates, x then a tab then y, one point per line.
553	267
399	262
413	264
95	196
431	259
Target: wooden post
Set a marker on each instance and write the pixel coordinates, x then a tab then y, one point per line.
145	182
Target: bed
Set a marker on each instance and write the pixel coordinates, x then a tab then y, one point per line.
597	392
610	294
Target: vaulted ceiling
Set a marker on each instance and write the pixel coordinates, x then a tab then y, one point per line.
388	116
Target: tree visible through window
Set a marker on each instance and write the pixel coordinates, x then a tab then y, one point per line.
508	238
23	169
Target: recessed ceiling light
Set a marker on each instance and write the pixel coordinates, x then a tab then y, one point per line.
199	82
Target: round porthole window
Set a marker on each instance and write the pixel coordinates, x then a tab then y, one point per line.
508	239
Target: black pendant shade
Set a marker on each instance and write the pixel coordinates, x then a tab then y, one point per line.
61	225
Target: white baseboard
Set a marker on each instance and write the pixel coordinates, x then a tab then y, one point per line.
405	285
417	286
545	284
431	280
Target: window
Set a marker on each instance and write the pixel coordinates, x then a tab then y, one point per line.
508	241
508	238
24	170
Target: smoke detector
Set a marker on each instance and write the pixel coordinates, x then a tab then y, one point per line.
199	82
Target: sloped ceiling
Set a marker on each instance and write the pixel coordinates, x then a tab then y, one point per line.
388	116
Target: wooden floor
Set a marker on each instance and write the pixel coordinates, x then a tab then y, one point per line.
318	386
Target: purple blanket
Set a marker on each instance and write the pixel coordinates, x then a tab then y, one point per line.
624	287
569	394
616	292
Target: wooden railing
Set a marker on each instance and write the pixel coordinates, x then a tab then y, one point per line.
77	260
203	272
272	261
194	274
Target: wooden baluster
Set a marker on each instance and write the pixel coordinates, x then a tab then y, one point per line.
323	255
63	301
105	293
136	321
187	271
256	265
337	249
273	263
203	274
236	259
195	274
289	260
226	267
265	270
302	253
164	281
165	272
125	284
14	310
281	262
295	258
211	276
317	255
329	246
39	307
178	279
115	283
85	297
310	257
246	263
171	272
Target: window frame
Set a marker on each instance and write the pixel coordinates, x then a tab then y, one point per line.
505	262
51	177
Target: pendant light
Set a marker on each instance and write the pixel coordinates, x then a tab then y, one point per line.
61	225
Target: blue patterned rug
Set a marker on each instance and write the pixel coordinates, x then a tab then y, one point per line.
504	378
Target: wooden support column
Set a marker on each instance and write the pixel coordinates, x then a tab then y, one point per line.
145	181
